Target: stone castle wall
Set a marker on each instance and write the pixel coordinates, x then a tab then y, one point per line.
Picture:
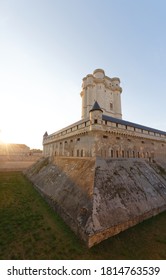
102	132
105	90
102	177
87	139
98	197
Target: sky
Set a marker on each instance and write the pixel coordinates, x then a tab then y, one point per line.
48	46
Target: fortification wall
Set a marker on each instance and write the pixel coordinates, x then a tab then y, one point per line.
67	185
107	138
114	143
126	192
99	197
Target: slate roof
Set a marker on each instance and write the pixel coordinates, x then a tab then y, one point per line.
45	134
96	107
123	122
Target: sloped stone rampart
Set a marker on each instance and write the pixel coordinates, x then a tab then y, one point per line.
67	184
98	197
126	192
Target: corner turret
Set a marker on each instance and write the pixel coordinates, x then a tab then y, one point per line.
95	116
45	134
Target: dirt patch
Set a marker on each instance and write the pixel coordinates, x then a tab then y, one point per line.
15	165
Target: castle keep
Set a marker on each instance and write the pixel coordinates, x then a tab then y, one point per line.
102	174
102	131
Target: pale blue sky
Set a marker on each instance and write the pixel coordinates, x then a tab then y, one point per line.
48	46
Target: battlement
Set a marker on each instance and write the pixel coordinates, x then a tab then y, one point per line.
106	91
102	132
108	137
102	171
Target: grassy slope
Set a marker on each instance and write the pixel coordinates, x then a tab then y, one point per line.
29	229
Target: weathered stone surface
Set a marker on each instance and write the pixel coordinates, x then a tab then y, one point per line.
102	131
125	193
67	184
99	197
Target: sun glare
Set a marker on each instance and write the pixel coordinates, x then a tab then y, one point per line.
5	137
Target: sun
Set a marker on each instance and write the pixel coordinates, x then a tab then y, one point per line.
4	137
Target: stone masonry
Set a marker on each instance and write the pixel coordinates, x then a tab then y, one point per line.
102	132
98	197
102	174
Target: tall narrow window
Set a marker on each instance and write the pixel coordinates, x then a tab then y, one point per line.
111	106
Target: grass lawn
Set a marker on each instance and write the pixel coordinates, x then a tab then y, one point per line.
29	229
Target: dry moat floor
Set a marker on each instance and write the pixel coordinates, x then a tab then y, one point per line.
29	229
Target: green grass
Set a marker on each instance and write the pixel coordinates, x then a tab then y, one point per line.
29	229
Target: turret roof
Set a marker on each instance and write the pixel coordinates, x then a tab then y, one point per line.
96	107
45	134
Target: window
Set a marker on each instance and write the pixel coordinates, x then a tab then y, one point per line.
105	136
95	121
111	106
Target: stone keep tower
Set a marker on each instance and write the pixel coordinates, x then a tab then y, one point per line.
106	91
